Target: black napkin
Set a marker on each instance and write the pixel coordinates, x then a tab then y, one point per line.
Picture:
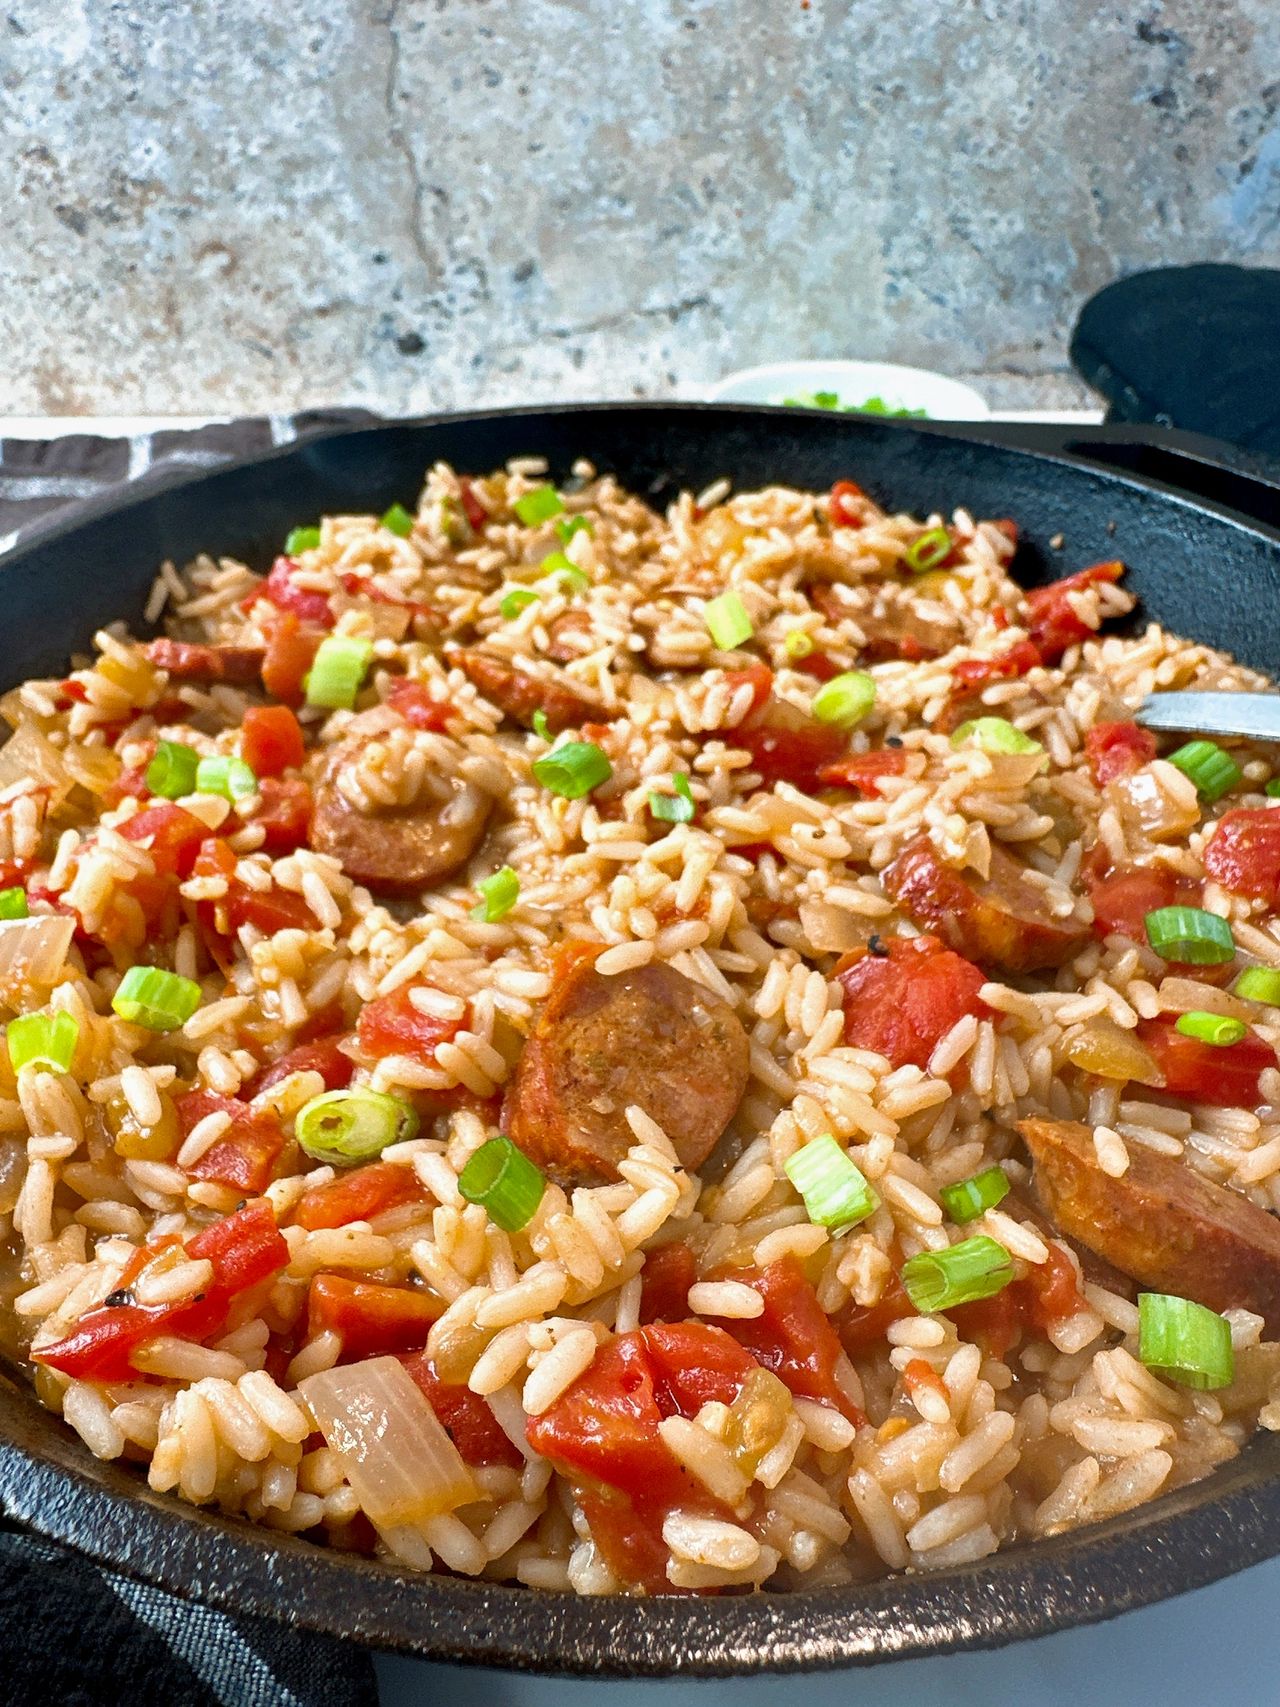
72	1635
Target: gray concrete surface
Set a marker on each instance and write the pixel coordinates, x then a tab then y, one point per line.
235	204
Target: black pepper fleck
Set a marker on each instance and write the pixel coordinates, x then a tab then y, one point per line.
876	946
119	1298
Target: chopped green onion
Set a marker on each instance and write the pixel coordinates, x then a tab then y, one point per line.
797	644
172	773
928	549
339	668
1190	936
541	728
42	1040
506	1184
301	539
1185	1341
398	520
995	735
572	769
677	808
229	777
1255	984
538	505
558	567
1213	771
569	525
835	1190
939	1280
353	1125
156	999
518	599
13	904
972	1197
1217	1029
845	699
727	621
1272	790
500	893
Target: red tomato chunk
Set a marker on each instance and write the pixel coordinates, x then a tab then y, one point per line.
358	1196
285	813
391	1025
903	1002
863	771
323	1055
1051	623
665	1279
1118	749
414	702
291	648
267	910
245	1155
284	593
1226	1076
1244	854
271	740
370	1318
1048	1293
794	1337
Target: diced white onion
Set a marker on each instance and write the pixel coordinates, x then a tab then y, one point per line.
34	951
30	756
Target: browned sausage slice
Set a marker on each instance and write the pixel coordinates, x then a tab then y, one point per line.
649	1037
187	662
519	695
402	850
998	921
1162	1223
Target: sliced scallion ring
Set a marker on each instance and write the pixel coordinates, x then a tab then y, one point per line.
797	644
573	769
229	777
172	772
1190	936
353	1125
567	526
845	699
513	602
538	505
1185	1341
397	520
13	904
835	1190
928	549
1217	1029
1214	772
969	1198
939	1280
338	671
995	735
557	567
301	539
507	1185
1259	984
498	895
541	728
159	1000
676	808
42	1040
727	621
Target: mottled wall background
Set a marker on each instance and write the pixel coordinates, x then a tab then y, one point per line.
424	203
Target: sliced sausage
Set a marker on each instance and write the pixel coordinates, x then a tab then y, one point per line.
518	695
403	849
1162	1223
649	1037
1000	920
187	662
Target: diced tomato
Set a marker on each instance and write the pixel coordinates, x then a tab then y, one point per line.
1008	527
1051	623
358	1196
371	1318
844	507
291	648
819	666
665	1279
466	1418
787	746
1118	749
268	910
132	783
1243	854
694	1364
862	1327
1047	1293
172	834
391	1025
285	812
1122	898
1226	1076
760	679
993	1323
245	1248
415	703
284	593
74	691
794	1336
904	1000
360	586
245	1154
472	508
271	740
323	1055
974	674
862	771
1052	1289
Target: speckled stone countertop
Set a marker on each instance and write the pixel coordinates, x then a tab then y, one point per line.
221	206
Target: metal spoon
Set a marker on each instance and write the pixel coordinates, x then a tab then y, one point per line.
1253	714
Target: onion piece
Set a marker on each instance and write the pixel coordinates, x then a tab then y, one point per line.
1105	1049
393	1448
27	756
830	929
34	950
1190	996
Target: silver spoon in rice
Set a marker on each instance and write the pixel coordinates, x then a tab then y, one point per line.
1253	714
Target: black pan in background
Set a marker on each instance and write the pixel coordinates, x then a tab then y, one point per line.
1205	560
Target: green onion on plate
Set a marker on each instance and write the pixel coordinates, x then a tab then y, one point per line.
797	644
537	505
567	526
1190	936
677	808
42	1040
995	735
557	567
1185	1341
727	621
506	1184
172	772
13	904
301	539
338	671
1259	984
1213	771
398	520
518	599
498	895
969	1198
159	1000
845	699
230	777
939	1280
1217	1029
835	1190
928	549
573	768
353	1125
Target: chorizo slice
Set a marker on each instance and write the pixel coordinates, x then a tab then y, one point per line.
187	662
1000	920
649	1037
1160	1222
400	850
518	695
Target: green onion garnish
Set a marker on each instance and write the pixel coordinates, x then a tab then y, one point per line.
538	505
558	567
229	777
1185	1341
677	808
727	621
969	1198
995	735
339	668
1273	788
1213	771
398	520
569	525
301	539
156	999
796	643
541	728
939	1280
835	1190
518	599
353	1125
507	1185
42	1040
13	904
1190	936
1217	1029
172	773
499	893
844	700
1255	984
928	549
573	769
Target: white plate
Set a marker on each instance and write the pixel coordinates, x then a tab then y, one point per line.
943	399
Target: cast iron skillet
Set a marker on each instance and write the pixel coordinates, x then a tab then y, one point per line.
1200	565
